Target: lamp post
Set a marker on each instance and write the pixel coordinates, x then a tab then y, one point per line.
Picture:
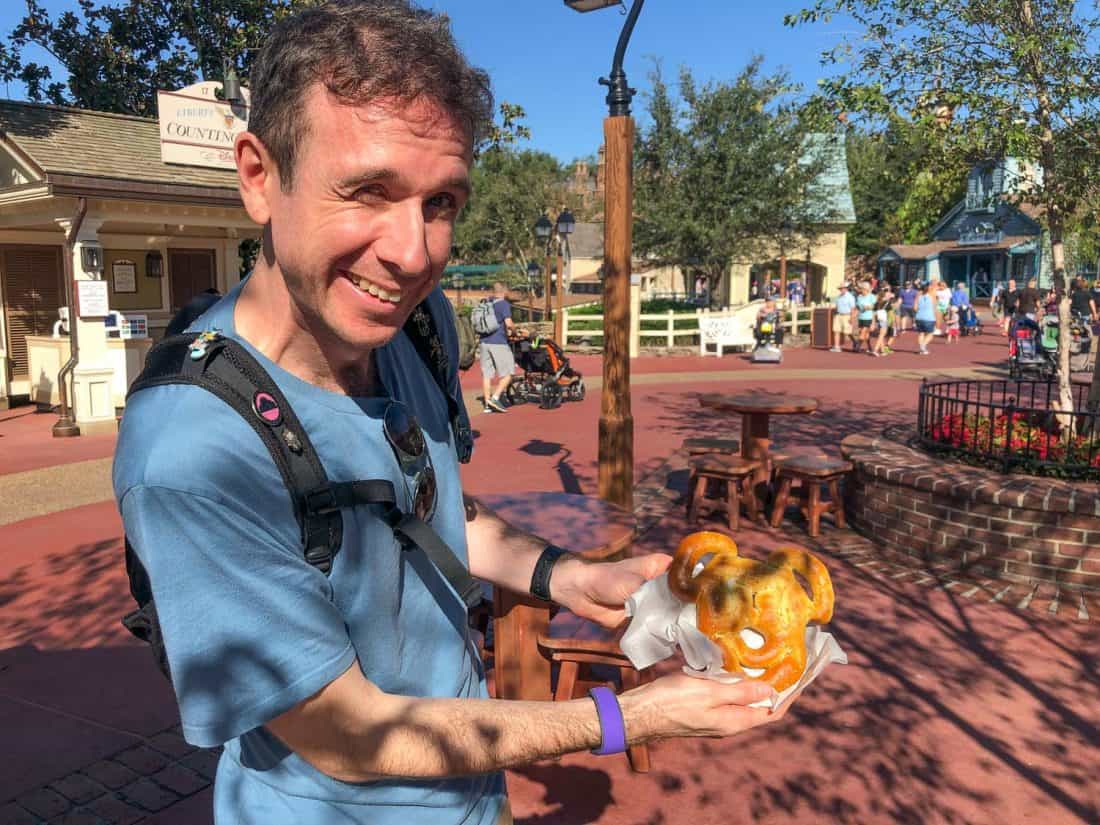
616	450
532	276
543	230
458	279
564	227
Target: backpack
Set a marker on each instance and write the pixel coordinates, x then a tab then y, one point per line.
467	341
226	369
484	319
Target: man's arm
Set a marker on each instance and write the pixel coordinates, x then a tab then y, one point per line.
355	732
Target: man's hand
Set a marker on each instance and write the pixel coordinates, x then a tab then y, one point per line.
599	591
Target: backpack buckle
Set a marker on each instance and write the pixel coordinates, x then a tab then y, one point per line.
321	501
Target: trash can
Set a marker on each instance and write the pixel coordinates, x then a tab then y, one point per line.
821	327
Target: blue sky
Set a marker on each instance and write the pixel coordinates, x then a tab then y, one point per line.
547	57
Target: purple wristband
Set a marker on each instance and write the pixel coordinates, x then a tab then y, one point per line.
612	726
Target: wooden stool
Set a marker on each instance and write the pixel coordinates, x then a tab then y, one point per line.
735	473
590	645
701	446
811	472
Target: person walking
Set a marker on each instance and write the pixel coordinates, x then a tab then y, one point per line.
844	310
908	306
925	319
865	309
1010	301
336	666
497	360
882	322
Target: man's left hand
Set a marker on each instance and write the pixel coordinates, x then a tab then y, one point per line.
599	591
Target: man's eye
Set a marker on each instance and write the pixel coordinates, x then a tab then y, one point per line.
371	192
444	201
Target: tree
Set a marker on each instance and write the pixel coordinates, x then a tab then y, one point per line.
117	56
725	173
995	78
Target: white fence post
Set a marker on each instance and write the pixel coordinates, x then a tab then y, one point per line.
671	329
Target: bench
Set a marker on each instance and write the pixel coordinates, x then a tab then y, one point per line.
726	332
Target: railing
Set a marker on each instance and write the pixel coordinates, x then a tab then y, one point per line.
1011	425
670	325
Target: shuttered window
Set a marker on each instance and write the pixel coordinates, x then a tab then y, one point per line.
33	291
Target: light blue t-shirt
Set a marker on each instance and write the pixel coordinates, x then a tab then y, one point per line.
926	308
866	304
845	303
251	629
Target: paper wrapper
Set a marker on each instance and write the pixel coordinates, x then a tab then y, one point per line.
660	623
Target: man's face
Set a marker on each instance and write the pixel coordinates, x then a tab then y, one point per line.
364	233
1011	284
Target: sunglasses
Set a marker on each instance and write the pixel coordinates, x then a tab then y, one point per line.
407	442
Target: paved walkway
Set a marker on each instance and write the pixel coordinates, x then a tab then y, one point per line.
966	702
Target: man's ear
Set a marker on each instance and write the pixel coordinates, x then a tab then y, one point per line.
258	176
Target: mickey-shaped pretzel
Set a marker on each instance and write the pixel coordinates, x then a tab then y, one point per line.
733	593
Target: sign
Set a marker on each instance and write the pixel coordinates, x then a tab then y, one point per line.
124	274
197	129
91	299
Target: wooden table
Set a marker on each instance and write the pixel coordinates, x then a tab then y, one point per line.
594	529
756	409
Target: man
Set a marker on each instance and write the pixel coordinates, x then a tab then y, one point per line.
1029	299
844	313
907	309
496	353
356	696
1010	300
960	297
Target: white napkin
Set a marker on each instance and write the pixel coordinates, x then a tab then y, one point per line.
660	623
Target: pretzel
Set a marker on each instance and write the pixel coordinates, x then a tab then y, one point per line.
733	593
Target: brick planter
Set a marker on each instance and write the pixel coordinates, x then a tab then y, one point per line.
973	520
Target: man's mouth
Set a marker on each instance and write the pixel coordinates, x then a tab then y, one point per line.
389	295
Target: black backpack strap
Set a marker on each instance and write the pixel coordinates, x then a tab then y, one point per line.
423	330
226	369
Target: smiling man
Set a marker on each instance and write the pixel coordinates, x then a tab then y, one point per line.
352	691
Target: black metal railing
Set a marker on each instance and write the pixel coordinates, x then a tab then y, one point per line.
1012	425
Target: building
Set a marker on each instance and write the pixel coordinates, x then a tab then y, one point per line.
151	235
987	237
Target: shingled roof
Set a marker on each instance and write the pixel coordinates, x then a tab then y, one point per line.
65	141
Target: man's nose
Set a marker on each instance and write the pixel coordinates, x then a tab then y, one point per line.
402	242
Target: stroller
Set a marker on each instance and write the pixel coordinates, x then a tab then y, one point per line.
547	374
1080	343
1029	350
969	322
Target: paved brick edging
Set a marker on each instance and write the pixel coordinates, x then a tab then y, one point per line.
125	788
1016	528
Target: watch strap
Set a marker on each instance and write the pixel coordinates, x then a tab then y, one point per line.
540	579
612	725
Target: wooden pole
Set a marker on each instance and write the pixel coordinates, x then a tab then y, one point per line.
782	274
561	291
546	275
616	448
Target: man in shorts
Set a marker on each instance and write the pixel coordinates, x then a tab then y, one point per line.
845	306
496	353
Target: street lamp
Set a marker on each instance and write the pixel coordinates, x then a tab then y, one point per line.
616	451
543	230
564	227
458	279
532	276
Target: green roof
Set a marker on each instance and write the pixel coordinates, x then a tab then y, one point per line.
833	186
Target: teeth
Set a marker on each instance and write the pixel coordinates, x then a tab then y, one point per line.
378	292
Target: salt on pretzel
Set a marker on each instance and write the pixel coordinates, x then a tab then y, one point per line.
733	593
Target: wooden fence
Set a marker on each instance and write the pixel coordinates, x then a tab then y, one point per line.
671	325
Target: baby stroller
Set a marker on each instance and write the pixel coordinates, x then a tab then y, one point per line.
1080	342
547	374
1028	350
969	322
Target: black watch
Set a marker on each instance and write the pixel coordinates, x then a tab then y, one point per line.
540	579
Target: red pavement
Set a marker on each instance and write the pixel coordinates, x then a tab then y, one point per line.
952	710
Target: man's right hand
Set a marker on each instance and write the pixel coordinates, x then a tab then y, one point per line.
680	705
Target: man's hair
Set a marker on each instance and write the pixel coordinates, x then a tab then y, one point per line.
499	288
361	51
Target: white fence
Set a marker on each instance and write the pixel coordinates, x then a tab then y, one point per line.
675	325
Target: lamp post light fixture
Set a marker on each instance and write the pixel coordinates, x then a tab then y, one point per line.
533	270
91	258
616	450
543	230
564	227
231	87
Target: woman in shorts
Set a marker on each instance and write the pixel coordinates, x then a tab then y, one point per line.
926	318
865	318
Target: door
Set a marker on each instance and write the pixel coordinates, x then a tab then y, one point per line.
190	272
33	290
